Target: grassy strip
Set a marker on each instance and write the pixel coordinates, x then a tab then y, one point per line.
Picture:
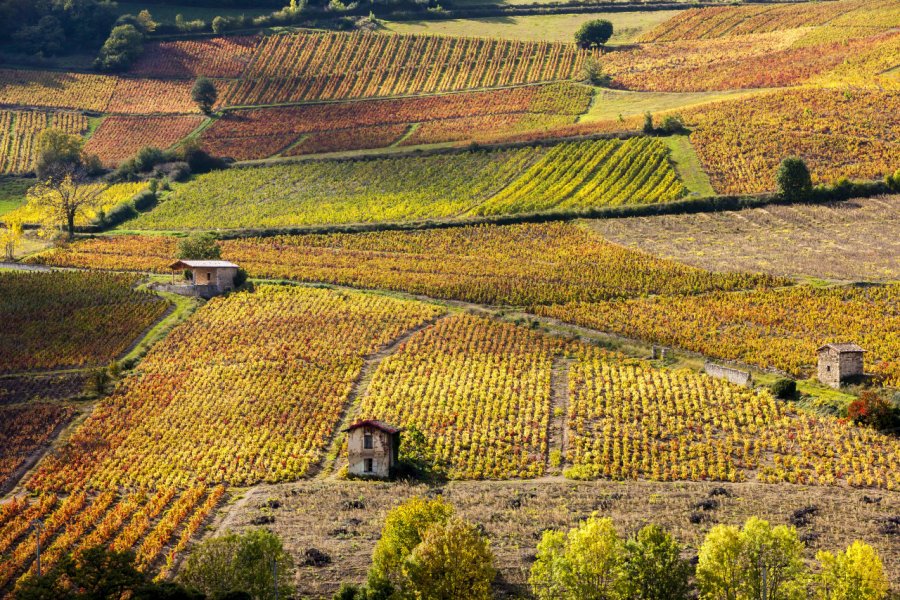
688	166
184	308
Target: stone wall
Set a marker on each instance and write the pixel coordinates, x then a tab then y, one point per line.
731	374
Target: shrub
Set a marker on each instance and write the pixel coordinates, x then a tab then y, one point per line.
649	128
872	410
404	529
794	180
148	157
593	74
784	388
672	124
234	562
452	561
653	567
594	33
240	278
145	199
218	24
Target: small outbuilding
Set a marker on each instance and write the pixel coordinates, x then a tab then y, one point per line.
208	277
373	448
840	362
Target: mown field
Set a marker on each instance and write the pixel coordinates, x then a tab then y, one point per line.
318	514
856	239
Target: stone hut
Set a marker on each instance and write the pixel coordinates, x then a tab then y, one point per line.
839	362
208	277
373	448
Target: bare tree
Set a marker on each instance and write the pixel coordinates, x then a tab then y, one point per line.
64	198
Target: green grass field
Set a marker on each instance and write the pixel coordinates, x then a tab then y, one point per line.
610	104
12	192
688	166
555	28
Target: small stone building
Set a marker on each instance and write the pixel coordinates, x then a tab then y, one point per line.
208	277
373	448
839	362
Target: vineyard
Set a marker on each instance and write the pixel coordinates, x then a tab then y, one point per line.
56	90
731	21
591	174
741	142
220	57
333	66
629	421
24	428
518	264
158	525
120	138
478	390
762	60
259	133
574	175
248	390
778	329
70	319
781	240
19	131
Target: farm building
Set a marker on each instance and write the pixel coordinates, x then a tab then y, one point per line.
839	362
373	448
208	277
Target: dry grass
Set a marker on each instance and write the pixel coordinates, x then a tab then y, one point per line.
857	239
319	514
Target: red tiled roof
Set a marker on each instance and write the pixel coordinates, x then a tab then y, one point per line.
376	424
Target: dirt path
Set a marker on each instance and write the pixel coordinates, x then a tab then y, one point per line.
23	267
558	431
329	464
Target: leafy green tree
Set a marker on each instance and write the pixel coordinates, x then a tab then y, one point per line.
123	46
586	564
794	180
204	94
58	154
404	529
758	561
199	247
594	33
856	574
239	563
592	73
453	561
653	567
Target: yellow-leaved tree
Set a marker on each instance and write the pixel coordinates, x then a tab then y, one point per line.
11	237
856	574
60	202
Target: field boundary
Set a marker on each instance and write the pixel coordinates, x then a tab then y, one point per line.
327	465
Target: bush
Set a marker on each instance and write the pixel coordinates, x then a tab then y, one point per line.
452	561
893	181
234	562
649	128
593	74
198	159
594	33
784	388
219	24
872	410
794	180
148	157
145	200
672	124
240	278
653	567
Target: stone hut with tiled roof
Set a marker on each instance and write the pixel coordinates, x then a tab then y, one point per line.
840	362
373	448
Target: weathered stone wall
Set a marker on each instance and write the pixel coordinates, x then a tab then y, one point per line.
731	374
380	453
